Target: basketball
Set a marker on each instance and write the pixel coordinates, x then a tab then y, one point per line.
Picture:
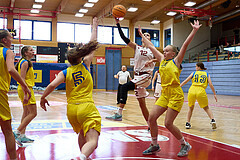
119	11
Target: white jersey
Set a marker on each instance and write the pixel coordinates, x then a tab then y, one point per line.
143	55
123	76
158	78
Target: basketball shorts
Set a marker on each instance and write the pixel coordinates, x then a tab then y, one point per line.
158	89
172	97
142	80
5	113
84	116
141	92
32	100
199	94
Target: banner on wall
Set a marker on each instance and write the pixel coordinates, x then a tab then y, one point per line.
131	61
100	60
38	76
46	58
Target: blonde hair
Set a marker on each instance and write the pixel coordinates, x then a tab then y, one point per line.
174	49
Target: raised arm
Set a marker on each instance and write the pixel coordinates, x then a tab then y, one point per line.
179	58
13	72
149	44
212	88
88	59
58	80
186	80
124	38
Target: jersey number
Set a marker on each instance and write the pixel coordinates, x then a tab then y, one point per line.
202	78
143	53
77	78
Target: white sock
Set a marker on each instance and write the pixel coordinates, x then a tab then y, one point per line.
182	141
119	111
17	132
154	141
83	157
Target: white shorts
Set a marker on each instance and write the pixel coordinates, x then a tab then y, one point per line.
142	80
158	90
141	92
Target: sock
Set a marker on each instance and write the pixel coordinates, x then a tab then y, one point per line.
213	120
119	111
17	132
182	141
154	141
83	157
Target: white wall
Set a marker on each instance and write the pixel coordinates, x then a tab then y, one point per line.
200	42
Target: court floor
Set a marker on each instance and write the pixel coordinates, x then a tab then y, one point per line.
125	140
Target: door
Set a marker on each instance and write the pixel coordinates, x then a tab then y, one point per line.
113	65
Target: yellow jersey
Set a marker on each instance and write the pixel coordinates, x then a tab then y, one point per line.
29	78
79	84
200	78
169	73
5	77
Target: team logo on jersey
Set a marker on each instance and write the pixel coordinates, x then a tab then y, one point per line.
78	78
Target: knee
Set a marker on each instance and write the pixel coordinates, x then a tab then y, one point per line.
151	119
168	124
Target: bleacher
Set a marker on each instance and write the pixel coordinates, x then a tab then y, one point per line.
214	55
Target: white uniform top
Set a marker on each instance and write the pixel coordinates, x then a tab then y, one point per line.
122	76
142	55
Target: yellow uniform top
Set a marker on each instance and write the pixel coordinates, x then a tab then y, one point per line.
200	78
5	77
29	78
79	84
169	73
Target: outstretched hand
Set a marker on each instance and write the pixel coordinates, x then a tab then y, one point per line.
140	31
196	25
43	103
95	22
116	19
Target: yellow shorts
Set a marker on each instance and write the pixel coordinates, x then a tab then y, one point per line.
32	100
5	113
172	97
84	116
199	94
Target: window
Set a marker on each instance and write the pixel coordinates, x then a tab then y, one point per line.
167	38
82	33
65	32
105	34
116	36
42	31
3	23
25	29
153	33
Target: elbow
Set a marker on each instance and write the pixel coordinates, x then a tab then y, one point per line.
11	71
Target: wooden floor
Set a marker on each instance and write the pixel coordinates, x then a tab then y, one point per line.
226	112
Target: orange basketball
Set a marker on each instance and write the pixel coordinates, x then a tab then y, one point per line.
119	11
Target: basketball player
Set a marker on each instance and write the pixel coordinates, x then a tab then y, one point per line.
25	69
143	69
81	111
158	88
172	97
200	80
7	70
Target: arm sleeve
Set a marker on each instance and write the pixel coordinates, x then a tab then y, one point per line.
124	38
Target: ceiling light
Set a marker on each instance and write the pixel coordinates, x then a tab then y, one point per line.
37	6
82	10
132	9
171	13
155	22
79	15
147	0
190	4
88	5
34	11
93	1
121	18
41	1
